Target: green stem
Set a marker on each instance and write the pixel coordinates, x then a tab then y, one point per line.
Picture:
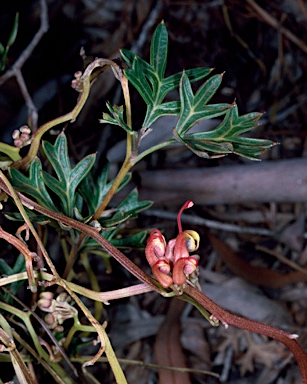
75	328
68	273
105	342
129	162
129	150
12	152
58	374
103	297
71	116
127	165
25	317
98	307
152	149
22	371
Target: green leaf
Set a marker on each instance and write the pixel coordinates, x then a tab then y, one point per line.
34	217
119	240
149	79
5	269
133	241
136	76
225	138
164	109
33	185
128	208
68	178
158	50
116	117
14	31
195	108
251	148
94	188
131	205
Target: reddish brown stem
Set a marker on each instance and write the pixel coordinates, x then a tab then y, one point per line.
27	254
93	233
250	325
221	314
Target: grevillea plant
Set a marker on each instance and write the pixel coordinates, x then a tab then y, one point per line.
75	201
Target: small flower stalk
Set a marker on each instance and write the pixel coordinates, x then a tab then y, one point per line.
171	263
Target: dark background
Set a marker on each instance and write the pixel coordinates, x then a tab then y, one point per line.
265	70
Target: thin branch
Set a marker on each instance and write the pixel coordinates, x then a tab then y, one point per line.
274	23
104	340
32	110
196	220
16	68
47	330
28	51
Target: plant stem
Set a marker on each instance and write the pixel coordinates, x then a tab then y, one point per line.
153	149
71	116
228	318
129	150
116	183
124	169
75	328
105	342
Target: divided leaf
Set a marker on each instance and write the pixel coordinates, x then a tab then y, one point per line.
5	269
133	241
68	179
194	107
33	185
94	188
149	79
128	208
116	117
225	138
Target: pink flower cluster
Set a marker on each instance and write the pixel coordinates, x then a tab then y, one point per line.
171	262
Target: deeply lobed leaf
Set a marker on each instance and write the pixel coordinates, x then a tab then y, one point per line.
33	185
149	79
225	138
68	179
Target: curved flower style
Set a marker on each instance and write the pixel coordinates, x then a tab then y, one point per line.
171	262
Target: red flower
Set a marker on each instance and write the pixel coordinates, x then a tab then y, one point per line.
172	263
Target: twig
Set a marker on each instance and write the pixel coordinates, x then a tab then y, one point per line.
274	23
196	220
228	318
151	20
32	110
282	258
16	68
28	51
269	181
